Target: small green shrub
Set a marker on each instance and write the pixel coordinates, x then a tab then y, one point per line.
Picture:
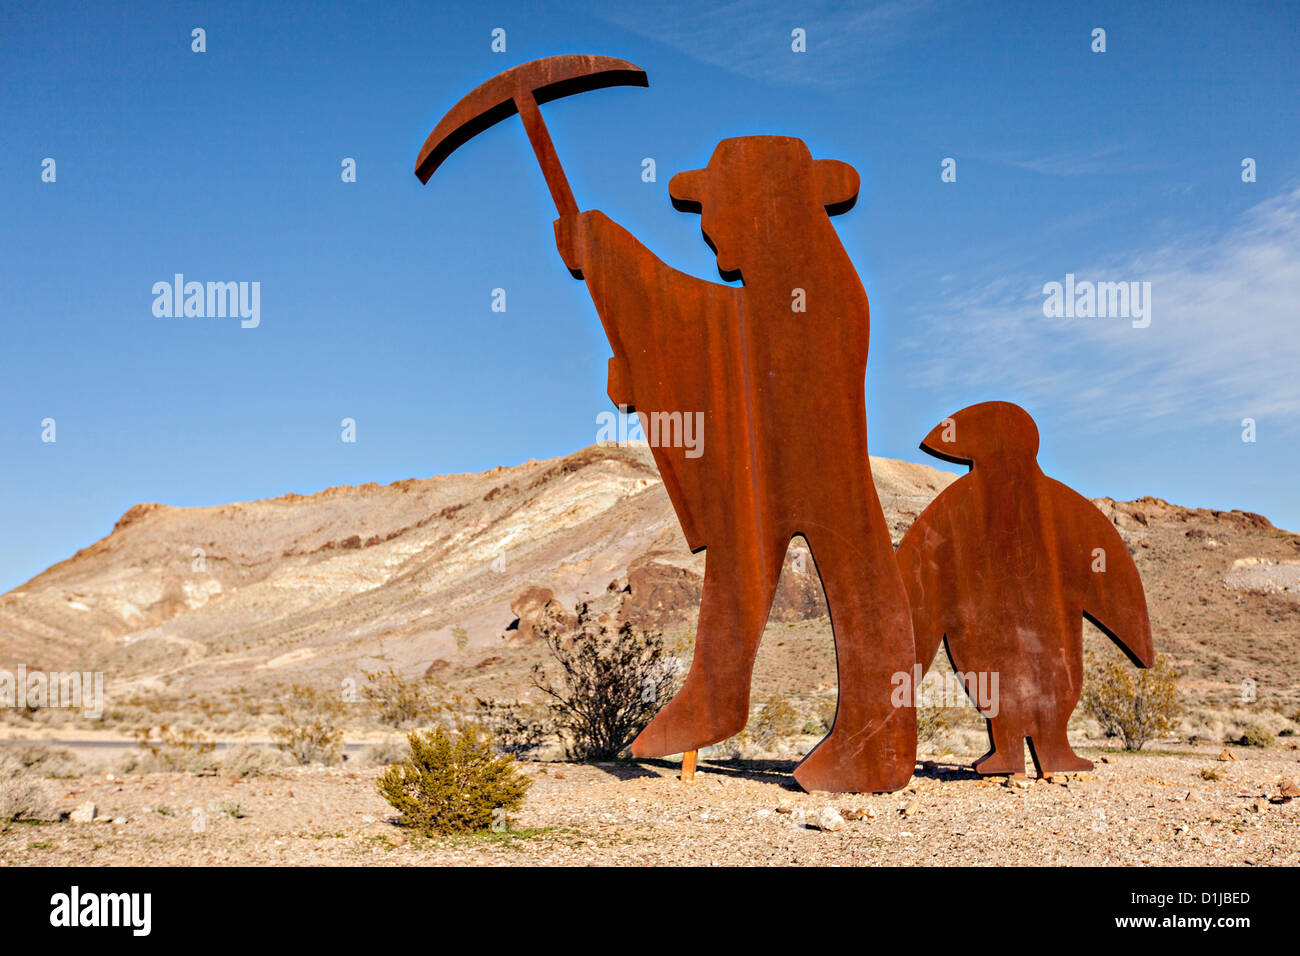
1255	736
1137	705
453	783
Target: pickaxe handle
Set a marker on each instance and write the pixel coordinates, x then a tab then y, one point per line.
544	149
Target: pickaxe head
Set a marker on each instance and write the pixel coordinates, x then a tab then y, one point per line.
519	90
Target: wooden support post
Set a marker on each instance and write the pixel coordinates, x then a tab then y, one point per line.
688	766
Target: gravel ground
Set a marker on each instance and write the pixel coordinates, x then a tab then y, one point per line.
1151	808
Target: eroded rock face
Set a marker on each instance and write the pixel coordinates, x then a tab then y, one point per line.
532	607
799	595
658	594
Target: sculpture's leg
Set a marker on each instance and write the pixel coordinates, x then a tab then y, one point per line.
872	747
1052	752
713	704
1006	753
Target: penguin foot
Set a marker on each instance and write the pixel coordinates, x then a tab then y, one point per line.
1059	760
996	763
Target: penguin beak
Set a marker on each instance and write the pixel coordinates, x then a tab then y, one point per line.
942	442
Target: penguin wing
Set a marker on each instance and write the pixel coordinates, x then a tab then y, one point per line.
1113	597
923	555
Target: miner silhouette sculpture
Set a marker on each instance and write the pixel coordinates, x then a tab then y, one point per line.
776	367
1005	564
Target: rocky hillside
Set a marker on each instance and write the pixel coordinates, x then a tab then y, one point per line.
449	575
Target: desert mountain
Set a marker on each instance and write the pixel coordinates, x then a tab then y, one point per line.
450	574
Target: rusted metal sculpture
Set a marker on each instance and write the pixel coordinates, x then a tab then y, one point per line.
776	369
1004	566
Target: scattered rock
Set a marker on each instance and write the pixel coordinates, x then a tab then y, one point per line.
828	819
785	806
854	813
85	813
119	820
1226	754
912	808
1017	783
1288	790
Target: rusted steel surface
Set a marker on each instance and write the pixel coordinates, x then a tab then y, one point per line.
774	369
1004	566
781	393
520	90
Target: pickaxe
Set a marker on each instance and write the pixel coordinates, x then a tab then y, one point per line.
520	90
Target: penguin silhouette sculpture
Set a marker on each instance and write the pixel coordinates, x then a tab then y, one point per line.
1004	566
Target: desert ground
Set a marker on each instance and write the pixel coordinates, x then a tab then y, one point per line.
1185	806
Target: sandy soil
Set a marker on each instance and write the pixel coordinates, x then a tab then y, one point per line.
1151	808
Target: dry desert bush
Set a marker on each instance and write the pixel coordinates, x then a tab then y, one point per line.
1135	705
395	700
307	731
245	760
384	752
604	683
22	794
165	748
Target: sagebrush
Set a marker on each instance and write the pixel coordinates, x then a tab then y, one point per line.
610	683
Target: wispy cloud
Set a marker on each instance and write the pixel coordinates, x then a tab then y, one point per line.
1097	160
753	39
1223	344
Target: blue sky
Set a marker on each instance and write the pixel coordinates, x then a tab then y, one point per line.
376	295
